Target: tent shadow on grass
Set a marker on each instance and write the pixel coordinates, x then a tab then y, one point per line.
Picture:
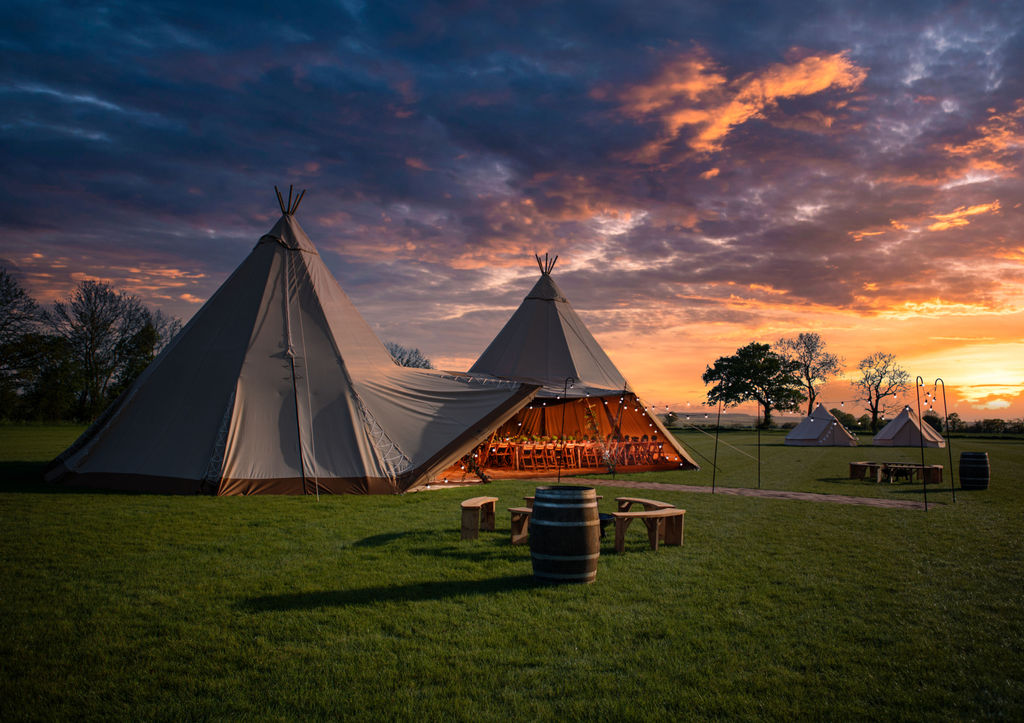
416	592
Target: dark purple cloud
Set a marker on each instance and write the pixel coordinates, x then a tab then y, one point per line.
680	154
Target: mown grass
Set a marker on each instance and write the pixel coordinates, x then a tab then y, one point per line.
816	469
149	607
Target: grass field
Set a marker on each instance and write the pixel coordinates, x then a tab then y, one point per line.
119	606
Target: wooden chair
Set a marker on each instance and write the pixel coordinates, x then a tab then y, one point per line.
550	455
528	456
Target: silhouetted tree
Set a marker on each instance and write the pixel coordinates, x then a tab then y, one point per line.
881	379
933	419
816	366
19	317
755	373
845	418
406	357
110	337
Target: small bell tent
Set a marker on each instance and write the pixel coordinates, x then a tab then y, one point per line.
906	430
278	386
820	429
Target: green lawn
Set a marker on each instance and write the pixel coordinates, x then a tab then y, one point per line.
121	606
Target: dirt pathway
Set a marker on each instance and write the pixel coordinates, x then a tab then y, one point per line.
768	494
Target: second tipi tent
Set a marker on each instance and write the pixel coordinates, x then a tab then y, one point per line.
583	396
277	385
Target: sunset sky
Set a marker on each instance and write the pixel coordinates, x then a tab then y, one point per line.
709	173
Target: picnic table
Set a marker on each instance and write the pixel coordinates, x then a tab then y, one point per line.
894	471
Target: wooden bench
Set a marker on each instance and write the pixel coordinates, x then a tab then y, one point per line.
626	502
664	523
860	470
520	524
477	514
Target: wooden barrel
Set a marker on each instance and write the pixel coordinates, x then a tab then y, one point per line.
974	470
564	534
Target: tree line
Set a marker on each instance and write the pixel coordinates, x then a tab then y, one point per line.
784	375
68	361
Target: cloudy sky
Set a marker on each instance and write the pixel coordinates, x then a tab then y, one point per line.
710	173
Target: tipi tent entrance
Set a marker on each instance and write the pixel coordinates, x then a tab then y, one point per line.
585	435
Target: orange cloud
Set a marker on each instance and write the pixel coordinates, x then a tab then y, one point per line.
1001	133
417	163
691	91
959	217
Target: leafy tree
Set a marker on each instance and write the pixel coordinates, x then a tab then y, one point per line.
52	382
19	317
933	419
845	418
143	347
816	366
755	373
406	357
955	423
881	379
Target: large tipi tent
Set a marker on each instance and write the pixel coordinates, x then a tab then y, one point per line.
583	394
820	429
906	430
277	385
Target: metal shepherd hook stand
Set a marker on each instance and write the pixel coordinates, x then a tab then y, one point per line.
569	381
949	442
757	423
714	464
920	434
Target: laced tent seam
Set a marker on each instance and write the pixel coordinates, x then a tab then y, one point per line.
215	467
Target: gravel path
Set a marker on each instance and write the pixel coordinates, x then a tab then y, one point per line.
769	494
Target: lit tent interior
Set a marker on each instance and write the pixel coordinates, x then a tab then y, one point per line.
820	429
278	386
906	430
584	399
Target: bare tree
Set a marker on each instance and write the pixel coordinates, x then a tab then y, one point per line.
881	379
110	336
816	366
406	357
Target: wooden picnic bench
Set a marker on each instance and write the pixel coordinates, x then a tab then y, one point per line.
626	502
666	523
892	471
477	514
520	524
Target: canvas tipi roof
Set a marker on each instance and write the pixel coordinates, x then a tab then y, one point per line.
821	428
546	342
278	385
906	430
